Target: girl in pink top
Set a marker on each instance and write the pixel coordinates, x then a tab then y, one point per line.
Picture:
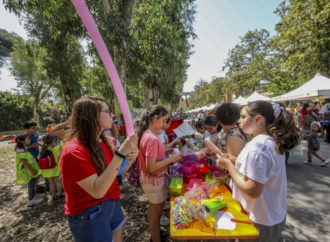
153	165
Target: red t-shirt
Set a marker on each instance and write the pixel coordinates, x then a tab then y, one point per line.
76	165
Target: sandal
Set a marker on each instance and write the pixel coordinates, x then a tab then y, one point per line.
307	162
324	163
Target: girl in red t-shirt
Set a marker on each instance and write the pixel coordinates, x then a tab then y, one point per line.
153	165
89	165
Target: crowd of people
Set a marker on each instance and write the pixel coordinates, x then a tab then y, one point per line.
85	168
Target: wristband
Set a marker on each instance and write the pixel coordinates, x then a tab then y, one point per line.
121	155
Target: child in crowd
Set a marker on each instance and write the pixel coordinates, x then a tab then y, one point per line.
31	128
199	125
26	168
212	128
259	172
164	138
211	134
153	165
314	144
50	148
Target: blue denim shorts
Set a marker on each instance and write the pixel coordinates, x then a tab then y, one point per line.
97	223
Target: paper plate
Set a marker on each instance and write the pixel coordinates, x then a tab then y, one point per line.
223	220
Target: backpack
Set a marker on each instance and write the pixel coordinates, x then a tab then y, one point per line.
47	161
134	178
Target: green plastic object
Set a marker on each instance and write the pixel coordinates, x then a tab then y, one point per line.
214	206
176	186
209	177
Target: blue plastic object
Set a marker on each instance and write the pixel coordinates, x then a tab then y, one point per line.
123	166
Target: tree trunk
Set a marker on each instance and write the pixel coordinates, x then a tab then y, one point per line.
120	47
66	92
120	63
35	110
150	93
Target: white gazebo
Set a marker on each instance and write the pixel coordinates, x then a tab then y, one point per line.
318	86
256	97
240	101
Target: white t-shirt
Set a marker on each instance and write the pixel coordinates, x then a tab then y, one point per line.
260	162
210	137
163	137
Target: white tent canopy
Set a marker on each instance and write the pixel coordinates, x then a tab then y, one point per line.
318	86
240	101
256	97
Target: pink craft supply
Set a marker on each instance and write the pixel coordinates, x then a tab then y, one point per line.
217	175
94	33
189	177
198	183
185	156
214	168
203	161
206	188
189	168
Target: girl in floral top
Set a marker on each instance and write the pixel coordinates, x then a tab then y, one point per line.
231	139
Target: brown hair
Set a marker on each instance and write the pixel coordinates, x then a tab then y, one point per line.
19	140
85	127
282	128
148	117
47	141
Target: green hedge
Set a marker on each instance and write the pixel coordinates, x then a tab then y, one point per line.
15	109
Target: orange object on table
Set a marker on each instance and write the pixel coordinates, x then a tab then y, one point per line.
199	230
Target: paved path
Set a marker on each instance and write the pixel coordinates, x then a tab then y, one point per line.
308	201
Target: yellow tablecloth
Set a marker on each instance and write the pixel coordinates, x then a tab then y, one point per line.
198	229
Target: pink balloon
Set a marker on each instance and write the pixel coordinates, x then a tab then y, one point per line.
93	31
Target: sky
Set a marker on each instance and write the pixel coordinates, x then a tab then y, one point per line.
219	24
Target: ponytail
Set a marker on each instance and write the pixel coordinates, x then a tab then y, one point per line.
148	117
47	141
279	124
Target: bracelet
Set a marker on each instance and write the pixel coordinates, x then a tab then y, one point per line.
121	155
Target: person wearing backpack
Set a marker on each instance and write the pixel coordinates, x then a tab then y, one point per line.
26	168
49	165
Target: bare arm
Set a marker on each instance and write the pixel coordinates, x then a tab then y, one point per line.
234	145
98	185
250	187
58	129
315	116
210	146
27	165
153	166
174	142
33	146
